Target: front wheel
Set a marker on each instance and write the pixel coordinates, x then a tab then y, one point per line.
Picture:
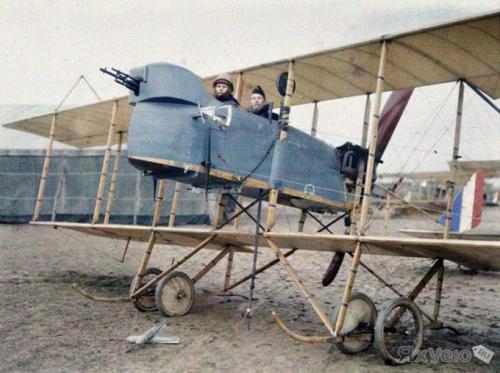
174	294
359	319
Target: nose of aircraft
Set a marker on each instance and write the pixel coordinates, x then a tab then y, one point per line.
165	82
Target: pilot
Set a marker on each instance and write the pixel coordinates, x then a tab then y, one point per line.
258	104
223	89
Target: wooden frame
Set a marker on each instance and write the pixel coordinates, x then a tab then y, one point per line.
114	178
105	164
45	170
367	188
450	185
175	202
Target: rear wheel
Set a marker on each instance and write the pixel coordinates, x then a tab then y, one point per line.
399	331
146	301
360	319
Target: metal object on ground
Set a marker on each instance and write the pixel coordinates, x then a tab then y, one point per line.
144	302
175	294
360	318
149	337
174	340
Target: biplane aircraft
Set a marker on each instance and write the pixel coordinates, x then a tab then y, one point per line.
176	130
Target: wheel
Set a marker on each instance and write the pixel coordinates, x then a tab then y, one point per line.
360	318
146	301
175	294
399	331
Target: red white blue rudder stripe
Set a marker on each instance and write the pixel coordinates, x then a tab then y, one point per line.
467	205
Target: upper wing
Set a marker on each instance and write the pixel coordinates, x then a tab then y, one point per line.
83	127
465	49
473	254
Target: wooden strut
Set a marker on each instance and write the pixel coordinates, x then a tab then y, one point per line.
367	189
99	299
359	179
45	170
319	339
271	210
60	189
436	268
105	165
152	237
114	178
260	270
284	120
154	281
125	250
439	290
317	308
211	264
450	188
314	122
299	337
159	202
229	268
175	203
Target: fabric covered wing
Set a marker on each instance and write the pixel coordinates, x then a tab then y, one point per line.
471	253
465	49
483	255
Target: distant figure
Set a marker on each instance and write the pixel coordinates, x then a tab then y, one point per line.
223	89
258	104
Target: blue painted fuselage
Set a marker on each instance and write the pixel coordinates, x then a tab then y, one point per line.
170	138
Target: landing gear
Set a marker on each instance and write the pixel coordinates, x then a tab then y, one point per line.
145	302
360	319
399	331
175	294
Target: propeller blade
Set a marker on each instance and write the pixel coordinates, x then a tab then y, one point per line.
389	119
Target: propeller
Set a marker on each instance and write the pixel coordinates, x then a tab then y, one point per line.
390	116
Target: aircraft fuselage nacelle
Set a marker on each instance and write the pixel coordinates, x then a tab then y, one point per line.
179	131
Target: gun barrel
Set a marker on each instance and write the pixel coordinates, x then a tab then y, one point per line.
123	79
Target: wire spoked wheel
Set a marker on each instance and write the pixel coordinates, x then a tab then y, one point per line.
175	294
399	331
146	301
359	321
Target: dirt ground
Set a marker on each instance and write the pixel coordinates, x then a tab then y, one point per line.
46	325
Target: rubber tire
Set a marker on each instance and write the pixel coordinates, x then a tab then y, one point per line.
341	345
137	301
158	293
379	330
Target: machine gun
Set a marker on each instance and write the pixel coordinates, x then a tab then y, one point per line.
123	79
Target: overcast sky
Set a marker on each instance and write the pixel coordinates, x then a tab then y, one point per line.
46	45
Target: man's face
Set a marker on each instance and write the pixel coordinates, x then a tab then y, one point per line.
257	101
221	89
